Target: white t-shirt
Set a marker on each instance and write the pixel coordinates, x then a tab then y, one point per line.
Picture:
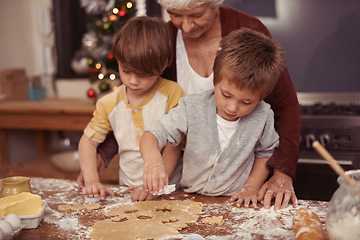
187	78
225	130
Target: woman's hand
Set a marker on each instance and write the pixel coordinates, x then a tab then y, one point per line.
280	187
245	195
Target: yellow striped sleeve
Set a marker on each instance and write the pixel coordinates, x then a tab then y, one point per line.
173	91
99	125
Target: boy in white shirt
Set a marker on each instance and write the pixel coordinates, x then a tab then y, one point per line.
229	130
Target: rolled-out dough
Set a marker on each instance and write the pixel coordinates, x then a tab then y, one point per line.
219	220
147	220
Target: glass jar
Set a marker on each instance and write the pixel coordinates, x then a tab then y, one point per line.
343	214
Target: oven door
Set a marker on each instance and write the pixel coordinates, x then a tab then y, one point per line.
315	179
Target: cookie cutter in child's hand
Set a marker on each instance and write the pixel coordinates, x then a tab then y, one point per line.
92	199
167	189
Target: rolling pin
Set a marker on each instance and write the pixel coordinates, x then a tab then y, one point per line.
307	226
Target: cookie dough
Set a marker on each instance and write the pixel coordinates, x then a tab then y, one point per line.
78	207
147	220
219	220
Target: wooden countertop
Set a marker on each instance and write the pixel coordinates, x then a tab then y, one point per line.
240	223
49	114
49	105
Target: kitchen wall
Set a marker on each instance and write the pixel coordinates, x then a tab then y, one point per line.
20	46
21	37
321	39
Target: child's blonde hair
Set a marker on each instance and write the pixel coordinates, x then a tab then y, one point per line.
250	60
143	46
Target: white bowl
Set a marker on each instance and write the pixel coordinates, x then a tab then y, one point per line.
67	161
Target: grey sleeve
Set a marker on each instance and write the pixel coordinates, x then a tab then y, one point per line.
172	127
269	139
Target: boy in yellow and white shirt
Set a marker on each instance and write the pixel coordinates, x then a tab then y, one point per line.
143	50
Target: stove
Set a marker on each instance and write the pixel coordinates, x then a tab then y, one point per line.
334	120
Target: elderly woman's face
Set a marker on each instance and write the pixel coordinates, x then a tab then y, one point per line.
194	22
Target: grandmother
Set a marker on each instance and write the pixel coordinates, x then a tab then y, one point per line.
197	27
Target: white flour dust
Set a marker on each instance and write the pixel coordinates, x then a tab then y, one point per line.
258	223
57	193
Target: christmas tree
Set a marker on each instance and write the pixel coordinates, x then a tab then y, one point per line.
105	19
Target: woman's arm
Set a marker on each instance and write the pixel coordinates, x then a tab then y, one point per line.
108	149
283	101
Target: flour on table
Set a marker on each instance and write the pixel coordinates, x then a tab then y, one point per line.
77	207
260	223
147	220
55	189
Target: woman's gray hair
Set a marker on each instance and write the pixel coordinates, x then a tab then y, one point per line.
187	4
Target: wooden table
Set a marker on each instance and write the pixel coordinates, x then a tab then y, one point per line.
240	223
49	114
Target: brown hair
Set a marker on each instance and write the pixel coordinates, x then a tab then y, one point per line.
143	46
250	60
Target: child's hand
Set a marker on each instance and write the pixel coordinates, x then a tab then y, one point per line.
100	168
245	195
155	177
140	194
93	190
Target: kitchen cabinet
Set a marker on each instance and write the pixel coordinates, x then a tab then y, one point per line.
40	116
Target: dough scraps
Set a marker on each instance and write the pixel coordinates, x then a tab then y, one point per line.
147	220
219	220
68	207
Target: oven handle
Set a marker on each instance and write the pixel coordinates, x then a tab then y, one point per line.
321	161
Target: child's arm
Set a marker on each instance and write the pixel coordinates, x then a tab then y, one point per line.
155	175
87	157
100	168
170	155
252	185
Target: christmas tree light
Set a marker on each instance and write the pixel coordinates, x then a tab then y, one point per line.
105	19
